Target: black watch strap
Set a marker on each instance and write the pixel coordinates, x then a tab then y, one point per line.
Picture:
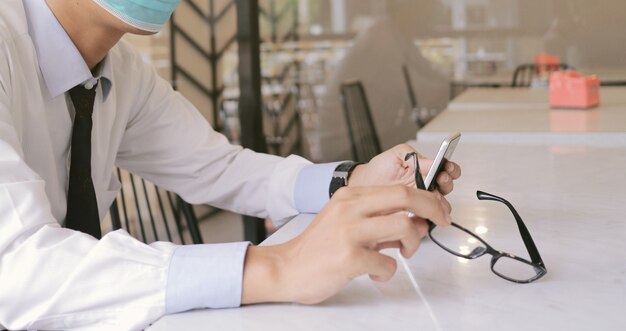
341	175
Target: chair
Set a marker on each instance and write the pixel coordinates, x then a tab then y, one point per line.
150	213
363	138
412	97
525	73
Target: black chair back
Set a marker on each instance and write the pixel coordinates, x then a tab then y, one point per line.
409	86
525	73
363	138
150	213
412	97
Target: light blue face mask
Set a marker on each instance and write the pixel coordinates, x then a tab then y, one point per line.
147	15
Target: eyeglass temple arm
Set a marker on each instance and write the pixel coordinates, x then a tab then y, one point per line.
526	237
419	181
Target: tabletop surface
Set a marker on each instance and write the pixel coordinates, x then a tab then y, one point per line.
572	200
509	115
605	125
524	98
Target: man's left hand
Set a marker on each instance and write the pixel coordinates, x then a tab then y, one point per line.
389	168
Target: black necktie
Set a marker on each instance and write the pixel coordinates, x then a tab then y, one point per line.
82	206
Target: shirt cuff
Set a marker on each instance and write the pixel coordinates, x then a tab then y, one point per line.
312	185
205	276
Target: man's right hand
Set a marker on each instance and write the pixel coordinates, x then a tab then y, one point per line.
342	243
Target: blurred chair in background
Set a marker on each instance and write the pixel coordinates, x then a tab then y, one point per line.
419	115
364	141
525	74
150	213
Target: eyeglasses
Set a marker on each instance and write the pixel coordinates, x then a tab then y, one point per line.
464	243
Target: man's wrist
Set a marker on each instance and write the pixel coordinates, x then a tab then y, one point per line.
262	275
356	178
341	175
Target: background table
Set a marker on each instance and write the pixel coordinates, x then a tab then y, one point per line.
485	119
523	98
600	126
572	199
609	76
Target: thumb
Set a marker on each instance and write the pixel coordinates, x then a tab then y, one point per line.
425	164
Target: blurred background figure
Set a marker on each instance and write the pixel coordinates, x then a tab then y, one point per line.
376	59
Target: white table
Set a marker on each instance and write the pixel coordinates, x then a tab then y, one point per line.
601	126
485	119
498	78
501	78
571	197
524	98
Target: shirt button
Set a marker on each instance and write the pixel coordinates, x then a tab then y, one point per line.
91	83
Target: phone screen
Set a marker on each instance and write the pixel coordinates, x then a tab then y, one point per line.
444	154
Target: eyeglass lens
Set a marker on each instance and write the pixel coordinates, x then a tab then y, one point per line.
514	269
468	246
458	241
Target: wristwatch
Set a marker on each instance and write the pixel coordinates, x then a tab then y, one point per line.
341	175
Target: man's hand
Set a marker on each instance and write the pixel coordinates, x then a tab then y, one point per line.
389	168
342	243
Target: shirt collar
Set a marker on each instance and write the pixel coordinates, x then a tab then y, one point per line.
60	62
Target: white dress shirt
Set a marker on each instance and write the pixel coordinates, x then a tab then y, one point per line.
56	278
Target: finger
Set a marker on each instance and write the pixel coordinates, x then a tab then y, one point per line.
421	225
446	205
380	267
386	228
445	180
390	228
445	183
453	169
382	200
422	228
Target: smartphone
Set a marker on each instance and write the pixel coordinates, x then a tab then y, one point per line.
445	152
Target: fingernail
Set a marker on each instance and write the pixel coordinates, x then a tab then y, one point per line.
450	166
446	178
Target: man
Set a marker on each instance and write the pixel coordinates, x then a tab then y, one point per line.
55	272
